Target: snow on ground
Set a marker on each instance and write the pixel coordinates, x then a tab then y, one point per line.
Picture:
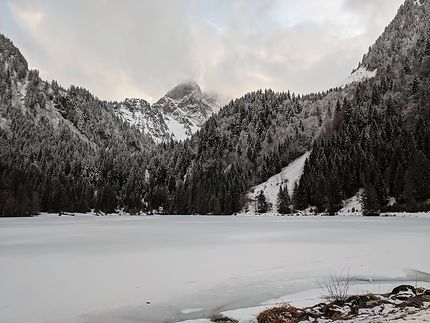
124	269
359	75
352	205
420	316
177	129
312	297
408	214
133	118
4	123
288	176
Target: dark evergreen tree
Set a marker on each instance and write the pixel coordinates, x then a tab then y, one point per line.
370	203
262	206
417	178
283	201
334	197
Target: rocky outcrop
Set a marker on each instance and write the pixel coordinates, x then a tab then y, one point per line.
404	302
177	115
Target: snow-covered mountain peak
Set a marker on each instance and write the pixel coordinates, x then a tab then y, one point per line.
191	100
177	115
185	89
186	108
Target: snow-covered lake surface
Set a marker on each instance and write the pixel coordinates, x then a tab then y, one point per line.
172	268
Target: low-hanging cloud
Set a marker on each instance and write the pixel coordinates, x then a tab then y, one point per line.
135	48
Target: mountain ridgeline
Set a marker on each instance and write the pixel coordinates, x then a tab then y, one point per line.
177	115
379	139
66	150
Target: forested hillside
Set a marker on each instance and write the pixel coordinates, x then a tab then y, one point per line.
66	150
56	144
380	136
251	139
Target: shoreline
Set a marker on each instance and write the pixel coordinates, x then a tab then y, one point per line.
397	302
256	215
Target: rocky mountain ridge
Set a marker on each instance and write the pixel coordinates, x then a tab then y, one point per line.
177	115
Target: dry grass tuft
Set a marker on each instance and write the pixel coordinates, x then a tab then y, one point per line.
336	287
372	297
280	314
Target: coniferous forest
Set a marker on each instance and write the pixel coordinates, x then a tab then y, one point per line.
66	150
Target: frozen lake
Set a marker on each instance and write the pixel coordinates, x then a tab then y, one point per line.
162	269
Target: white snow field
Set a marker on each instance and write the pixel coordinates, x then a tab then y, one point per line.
359	75
174	268
287	177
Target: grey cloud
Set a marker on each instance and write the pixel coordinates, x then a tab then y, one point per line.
143	48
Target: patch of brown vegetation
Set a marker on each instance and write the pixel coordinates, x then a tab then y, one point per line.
283	314
402	297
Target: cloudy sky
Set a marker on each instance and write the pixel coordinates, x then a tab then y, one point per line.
142	48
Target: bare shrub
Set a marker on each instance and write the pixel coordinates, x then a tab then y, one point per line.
336	287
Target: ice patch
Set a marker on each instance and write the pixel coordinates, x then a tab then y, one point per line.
197	321
245	315
101	268
190	310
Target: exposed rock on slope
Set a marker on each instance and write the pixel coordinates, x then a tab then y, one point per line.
140	114
177	115
186	108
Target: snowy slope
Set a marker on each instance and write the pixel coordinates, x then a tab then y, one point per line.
180	130
288	176
358	75
352	205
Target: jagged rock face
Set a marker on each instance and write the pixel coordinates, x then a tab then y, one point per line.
139	113
186	108
177	115
189	98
